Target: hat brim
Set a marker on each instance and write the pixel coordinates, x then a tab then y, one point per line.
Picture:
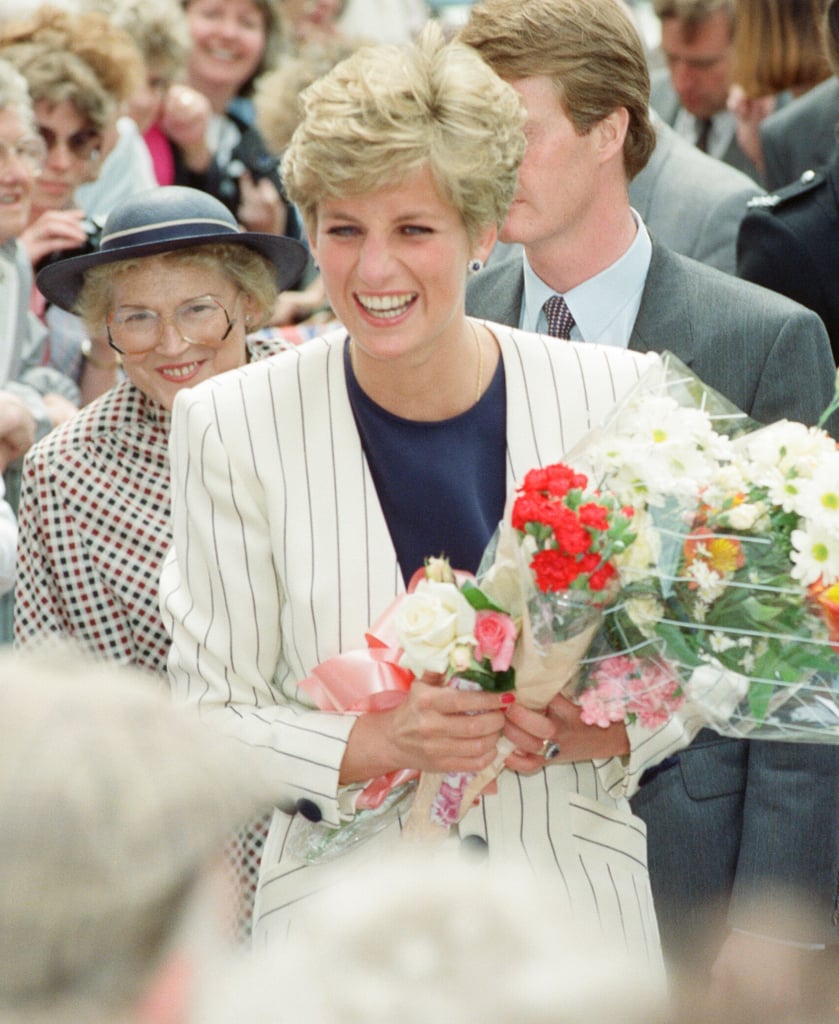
62	281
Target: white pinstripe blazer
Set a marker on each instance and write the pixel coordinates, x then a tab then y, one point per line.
282	558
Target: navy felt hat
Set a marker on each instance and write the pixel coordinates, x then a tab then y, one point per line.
160	220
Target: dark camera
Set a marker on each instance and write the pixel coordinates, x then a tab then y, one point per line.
251	152
93	232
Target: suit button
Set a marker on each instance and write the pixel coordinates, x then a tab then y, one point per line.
309	809
474	847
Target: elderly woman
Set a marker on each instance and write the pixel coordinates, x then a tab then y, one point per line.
174	288
307	490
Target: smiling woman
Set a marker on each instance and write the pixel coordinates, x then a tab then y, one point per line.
176	286
396	438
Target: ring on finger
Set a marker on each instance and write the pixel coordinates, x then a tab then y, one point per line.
550	750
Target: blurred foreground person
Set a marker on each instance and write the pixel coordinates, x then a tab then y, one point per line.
430	942
113	810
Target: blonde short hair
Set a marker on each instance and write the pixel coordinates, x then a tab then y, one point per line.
388	111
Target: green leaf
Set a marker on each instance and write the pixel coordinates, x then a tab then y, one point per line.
759	696
494	682
478	599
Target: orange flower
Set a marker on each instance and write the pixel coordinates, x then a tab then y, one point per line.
723	554
827	599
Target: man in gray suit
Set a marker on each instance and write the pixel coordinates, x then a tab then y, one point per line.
689	201
801	135
730	823
691	92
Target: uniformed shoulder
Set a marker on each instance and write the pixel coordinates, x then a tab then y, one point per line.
808	182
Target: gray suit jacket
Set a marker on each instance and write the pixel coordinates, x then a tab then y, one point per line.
801	135
665	101
768	812
692	202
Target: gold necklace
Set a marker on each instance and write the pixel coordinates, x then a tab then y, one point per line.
480	361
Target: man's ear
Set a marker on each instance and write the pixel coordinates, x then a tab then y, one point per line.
169	997
612	133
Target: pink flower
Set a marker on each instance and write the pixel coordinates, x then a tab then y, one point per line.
445	808
603	703
653	694
495	638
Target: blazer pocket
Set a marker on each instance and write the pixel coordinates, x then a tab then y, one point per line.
713	767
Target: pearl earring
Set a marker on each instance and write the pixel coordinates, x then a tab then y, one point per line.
475	266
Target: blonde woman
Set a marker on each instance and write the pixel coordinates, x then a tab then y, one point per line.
307	490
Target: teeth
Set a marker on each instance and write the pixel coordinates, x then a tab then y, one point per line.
387	306
179	371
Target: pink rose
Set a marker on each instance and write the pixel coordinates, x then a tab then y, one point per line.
495	638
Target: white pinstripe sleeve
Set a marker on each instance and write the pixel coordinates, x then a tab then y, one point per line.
221	601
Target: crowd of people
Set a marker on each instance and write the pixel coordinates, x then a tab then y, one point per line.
292	294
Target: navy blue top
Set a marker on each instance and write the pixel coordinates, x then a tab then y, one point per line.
441	485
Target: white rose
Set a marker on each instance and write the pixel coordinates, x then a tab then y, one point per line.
432	621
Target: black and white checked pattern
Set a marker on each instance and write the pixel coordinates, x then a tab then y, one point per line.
94	530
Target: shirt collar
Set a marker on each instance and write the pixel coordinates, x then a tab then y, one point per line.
605	306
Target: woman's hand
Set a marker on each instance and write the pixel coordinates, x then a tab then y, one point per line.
560	724
436	728
17	428
184	120
260	206
53	231
749	112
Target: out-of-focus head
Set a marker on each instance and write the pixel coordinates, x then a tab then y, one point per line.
114	806
697	41
276	93
14	95
387	112
589	49
306	21
233	42
90	36
159	30
21	152
80	69
429	938
779	46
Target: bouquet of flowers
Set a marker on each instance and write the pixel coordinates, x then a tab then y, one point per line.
543	585
680	559
729	594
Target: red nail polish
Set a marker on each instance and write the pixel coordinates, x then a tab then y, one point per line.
507	698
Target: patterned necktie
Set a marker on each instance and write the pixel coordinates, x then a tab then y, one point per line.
559	317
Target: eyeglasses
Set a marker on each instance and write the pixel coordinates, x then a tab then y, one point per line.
85	144
29	150
133	330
